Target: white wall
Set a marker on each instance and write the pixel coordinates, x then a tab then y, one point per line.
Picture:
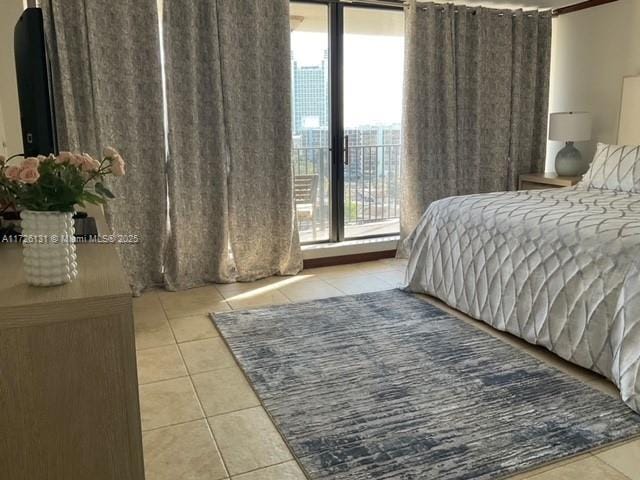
592	51
11	133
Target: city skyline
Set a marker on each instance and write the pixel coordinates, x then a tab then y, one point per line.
373	96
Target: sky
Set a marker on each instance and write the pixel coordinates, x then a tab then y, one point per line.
373	68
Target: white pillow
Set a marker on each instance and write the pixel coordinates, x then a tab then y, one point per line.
614	167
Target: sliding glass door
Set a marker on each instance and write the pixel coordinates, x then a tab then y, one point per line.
373	67
347	102
311	120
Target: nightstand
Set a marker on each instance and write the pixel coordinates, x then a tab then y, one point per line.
539	181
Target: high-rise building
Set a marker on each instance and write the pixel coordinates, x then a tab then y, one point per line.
310	96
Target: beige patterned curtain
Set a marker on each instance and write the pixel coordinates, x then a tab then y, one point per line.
217	205
256	83
198	248
475	101
105	59
230	173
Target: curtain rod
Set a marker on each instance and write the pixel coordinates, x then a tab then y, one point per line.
400	4
404	3
381	3
500	14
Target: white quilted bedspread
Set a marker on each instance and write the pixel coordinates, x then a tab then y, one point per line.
559	268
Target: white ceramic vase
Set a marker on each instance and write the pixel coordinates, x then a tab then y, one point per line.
49	248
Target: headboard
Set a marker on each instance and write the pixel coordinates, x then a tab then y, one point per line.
629	126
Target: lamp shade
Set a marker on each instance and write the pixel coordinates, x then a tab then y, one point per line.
570	126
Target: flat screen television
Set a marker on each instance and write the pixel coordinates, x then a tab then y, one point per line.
35	88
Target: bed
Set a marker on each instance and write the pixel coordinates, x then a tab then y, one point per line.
559	268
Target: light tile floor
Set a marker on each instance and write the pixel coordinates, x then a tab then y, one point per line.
202	421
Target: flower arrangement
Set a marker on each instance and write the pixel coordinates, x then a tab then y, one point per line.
58	183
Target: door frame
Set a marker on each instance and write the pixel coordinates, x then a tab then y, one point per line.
335	10
336	113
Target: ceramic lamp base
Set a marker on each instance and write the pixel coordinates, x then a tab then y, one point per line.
49	248
569	162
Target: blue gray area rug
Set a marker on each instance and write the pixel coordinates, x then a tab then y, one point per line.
386	386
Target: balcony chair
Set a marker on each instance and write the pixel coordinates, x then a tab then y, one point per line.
305	190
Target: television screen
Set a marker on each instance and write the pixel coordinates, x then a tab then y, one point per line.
37	114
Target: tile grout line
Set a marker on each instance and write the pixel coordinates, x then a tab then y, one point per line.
342	291
213	335
157	346
285	295
179	317
550	468
195	392
361	276
189	372
155	382
211	370
601	460
262	468
326	282
235	411
176	424
213	436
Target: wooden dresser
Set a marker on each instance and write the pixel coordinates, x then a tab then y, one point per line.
68	384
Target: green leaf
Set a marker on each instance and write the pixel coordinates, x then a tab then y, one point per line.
100	188
93	198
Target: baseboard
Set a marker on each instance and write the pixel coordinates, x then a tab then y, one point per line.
345	259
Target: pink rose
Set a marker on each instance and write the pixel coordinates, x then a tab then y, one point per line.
12	173
30	162
117	166
110	152
64	157
89	164
76	160
29	175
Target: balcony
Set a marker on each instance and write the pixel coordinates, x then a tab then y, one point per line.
371	191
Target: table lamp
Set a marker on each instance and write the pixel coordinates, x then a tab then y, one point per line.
570	127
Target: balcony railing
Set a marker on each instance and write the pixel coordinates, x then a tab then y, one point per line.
371	183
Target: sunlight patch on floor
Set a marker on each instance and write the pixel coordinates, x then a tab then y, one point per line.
268	288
